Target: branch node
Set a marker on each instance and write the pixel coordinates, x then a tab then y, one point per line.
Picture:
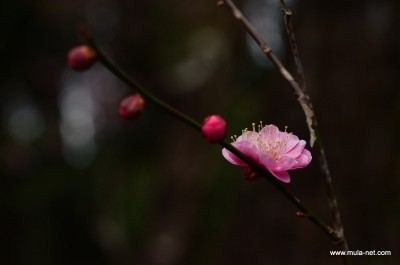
85	33
265	48
284	8
338	241
238	15
300	214
220	3
285	73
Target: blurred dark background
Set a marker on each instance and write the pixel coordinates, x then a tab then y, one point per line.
79	185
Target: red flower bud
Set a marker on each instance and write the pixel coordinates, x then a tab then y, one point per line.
249	174
131	107
214	129
81	58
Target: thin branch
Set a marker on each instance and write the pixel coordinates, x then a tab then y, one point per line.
323	162
304	210
107	62
303	98
110	65
287	16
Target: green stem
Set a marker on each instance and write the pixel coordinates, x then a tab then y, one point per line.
103	58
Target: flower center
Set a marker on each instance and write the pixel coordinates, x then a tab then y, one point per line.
268	139
273	142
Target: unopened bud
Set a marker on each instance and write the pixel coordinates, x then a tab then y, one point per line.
81	58
249	174
300	214
214	129
220	3
131	106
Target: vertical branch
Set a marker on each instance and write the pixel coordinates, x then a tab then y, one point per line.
333	204
303	98
299	89
287	16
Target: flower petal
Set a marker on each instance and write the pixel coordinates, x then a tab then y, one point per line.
281	175
267	162
269	132
304	159
232	158
247	148
285	163
292	142
296	150
248	136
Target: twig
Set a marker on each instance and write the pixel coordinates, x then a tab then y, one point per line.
306	212
110	65
287	15
333	205
107	62
303	98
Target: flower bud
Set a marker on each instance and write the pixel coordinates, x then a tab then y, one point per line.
81	58
249	174
131	106
214	129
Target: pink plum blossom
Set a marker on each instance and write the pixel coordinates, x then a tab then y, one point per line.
271	149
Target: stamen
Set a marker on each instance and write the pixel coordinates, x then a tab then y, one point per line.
268	139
